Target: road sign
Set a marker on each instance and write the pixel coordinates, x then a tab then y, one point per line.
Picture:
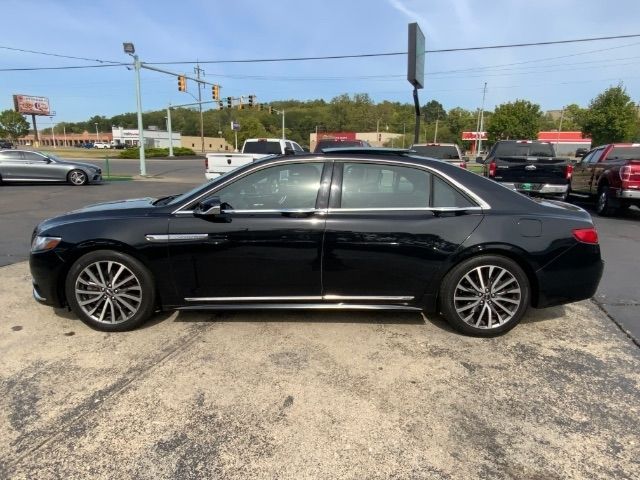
235	126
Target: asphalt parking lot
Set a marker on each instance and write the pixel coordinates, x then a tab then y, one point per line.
313	395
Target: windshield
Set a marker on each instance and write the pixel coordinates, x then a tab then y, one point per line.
182	197
624	153
534	149
443	152
262	146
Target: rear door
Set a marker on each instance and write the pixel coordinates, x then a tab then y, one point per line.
581	180
388	230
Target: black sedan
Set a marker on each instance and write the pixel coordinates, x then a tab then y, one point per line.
348	229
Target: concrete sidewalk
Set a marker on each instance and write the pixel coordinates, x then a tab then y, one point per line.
314	395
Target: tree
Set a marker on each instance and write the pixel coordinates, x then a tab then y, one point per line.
250	127
515	120
13	125
433	111
611	117
460	120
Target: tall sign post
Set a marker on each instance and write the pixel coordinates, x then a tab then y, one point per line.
34	106
415	70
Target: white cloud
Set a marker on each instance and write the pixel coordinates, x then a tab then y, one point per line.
413	15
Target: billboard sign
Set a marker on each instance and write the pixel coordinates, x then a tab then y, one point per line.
415	71
474	136
31	105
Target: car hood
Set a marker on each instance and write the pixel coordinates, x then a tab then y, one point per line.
133	207
78	164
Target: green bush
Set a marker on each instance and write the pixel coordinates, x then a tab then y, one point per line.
156	152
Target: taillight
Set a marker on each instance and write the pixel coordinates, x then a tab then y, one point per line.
492	169
568	172
206	164
625	173
463	165
586	235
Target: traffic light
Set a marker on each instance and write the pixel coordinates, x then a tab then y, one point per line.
229	102
182	83
215	91
251	97
220	104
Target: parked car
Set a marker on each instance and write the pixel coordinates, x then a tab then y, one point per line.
101	145
449	152
342	230
530	167
253	149
581	152
610	173
87	145
30	166
6	144
327	143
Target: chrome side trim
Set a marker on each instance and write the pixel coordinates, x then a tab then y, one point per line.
175	237
300	306
252	299
408	209
333	298
367	297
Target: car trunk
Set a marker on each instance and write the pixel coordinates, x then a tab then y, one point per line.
535	170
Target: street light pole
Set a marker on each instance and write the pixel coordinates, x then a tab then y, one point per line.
53	134
143	166
484	93
197	71
283	124
97	139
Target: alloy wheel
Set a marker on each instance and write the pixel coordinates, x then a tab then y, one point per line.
77	177
108	292
487	297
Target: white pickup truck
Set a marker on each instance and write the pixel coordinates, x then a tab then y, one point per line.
252	150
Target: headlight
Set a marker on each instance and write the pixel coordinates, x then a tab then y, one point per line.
42	244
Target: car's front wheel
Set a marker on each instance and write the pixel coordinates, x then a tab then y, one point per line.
110	290
485	295
77	177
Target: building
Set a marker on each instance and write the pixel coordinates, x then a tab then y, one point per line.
565	143
211	144
64	139
153	138
376	139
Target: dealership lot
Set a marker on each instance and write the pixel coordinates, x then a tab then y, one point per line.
291	395
319	395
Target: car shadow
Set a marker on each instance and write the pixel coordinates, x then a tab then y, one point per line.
302	316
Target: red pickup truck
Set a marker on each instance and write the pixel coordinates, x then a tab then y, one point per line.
612	174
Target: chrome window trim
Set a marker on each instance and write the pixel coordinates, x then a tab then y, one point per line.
321	211
408	209
482	204
303	298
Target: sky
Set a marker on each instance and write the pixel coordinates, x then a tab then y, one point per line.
191	30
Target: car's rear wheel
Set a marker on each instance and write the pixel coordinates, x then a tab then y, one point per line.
110	291
604	205
485	295
77	177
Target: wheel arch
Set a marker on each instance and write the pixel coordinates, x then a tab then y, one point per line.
512	252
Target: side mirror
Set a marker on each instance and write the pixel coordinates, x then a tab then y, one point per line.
289	151
479	160
208	207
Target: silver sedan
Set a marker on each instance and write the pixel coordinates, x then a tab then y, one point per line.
28	166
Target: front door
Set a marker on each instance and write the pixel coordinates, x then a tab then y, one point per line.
389	230
266	244
582	176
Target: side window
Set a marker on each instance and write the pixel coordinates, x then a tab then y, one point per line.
290	186
596	155
297	147
382	186
288	145
587	158
33	157
10	156
444	195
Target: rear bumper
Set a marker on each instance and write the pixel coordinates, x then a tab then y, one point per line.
571	277
630	194
538	188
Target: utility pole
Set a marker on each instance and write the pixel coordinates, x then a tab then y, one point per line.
404	132
435	135
559	130
282	125
64	133
169	131
53	134
484	93
143	164
198	71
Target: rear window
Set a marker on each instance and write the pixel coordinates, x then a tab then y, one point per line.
262	147
624	153
534	149
441	152
322	144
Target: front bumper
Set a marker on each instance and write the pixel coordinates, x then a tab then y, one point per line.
47	273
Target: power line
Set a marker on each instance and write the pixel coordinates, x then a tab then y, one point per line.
389	54
49	54
69	67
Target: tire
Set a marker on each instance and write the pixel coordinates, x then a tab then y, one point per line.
472	305
77	177
104	305
604	206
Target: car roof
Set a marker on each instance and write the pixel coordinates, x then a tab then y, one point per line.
434	145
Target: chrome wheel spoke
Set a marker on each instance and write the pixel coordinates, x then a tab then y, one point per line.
108	292
487	296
